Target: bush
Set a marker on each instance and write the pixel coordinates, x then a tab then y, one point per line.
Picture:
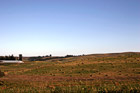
2	74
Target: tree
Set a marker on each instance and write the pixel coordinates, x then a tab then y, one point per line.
1	58
69	56
12	57
20	57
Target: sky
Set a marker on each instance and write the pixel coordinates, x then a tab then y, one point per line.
61	27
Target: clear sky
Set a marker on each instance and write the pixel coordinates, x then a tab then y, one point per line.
60	27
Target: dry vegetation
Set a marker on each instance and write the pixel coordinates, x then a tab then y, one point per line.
84	74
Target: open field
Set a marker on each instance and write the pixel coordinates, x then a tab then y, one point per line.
83	74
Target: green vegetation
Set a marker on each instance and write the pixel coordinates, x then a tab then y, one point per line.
83	74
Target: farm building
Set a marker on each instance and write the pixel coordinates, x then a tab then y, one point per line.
11	61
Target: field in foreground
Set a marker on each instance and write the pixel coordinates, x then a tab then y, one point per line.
84	74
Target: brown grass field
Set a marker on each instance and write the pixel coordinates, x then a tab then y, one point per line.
100	73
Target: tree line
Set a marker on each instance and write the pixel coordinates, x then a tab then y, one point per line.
10	57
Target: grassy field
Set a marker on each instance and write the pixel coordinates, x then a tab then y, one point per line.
83	74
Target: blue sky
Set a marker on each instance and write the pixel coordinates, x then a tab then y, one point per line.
61	27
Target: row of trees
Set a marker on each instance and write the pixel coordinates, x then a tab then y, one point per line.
45	56
10	57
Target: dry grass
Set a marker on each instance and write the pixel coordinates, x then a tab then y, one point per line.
94	73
